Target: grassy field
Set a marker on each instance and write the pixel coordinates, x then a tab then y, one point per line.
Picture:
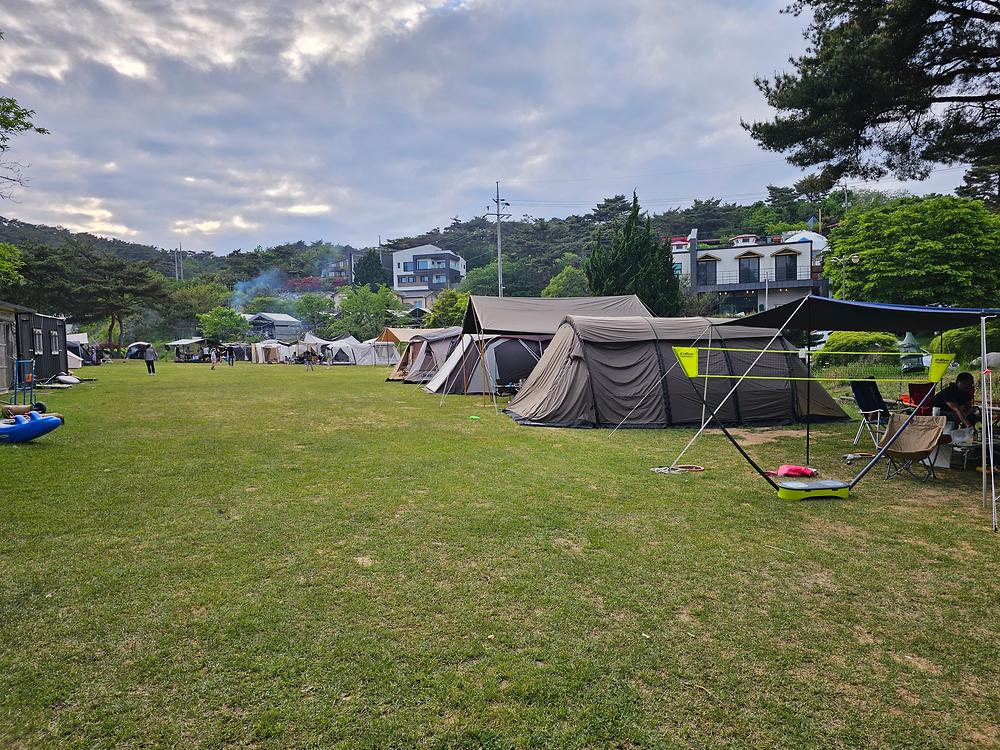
265	557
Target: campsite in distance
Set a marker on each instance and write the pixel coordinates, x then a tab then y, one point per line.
487	376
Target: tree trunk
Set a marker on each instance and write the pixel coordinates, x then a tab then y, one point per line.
111	330
121	334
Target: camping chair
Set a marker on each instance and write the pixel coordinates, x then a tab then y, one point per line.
872	406
918	391
914	446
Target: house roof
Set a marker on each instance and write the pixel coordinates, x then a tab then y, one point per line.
277	318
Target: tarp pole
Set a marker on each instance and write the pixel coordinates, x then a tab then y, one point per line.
984	415
732	440
659	382
882	451
742	377
708	369
808	382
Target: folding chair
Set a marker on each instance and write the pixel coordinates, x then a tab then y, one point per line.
917	393
914	446
874	410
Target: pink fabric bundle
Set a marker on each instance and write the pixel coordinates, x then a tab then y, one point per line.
790	470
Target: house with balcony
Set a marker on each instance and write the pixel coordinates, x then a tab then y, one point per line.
751	273
341	271
420	273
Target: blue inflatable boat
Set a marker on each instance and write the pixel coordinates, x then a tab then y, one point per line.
27	428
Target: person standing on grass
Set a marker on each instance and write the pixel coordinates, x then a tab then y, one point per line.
214	357
309	361
231	356
150	356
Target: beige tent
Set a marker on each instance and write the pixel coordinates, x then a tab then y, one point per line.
602	372
425	354
402	335
270	351
542	315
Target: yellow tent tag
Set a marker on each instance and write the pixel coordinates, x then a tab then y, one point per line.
939	364
688	357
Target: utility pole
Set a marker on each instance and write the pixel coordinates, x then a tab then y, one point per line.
500	204
177	273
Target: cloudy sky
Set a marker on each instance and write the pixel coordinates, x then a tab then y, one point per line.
228	125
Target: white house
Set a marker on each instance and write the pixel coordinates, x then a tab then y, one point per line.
752	273
420	273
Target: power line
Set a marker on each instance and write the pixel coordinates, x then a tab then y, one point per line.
647	174
574	203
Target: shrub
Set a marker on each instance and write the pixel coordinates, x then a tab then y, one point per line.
854	341
964	342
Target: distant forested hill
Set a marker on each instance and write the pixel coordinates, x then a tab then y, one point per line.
21	233
534	249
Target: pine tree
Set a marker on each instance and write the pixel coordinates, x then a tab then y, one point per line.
982	182
369	271
635	262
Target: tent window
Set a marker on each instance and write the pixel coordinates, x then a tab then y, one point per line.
53	342
37	347
707	272
749	270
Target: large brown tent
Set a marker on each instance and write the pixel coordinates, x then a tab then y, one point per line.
425	354
602	372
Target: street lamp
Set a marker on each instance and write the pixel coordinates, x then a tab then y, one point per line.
853	258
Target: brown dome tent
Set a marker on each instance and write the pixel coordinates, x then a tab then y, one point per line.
602	372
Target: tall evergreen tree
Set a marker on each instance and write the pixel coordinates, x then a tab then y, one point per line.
635	262
370	272
982	182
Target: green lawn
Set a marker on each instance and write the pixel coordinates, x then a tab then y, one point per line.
266	557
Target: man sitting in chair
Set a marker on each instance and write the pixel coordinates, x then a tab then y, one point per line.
957	401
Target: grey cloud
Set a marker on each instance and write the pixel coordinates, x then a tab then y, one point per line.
262	122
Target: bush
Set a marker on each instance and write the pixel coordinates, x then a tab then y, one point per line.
854	341
964	342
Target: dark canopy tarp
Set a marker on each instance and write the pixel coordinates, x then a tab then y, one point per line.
822	313
542	316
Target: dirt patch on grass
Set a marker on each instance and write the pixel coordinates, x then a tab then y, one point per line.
984	736
918	662
821	580
364	561
827	527
769	435
862	636
570	545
